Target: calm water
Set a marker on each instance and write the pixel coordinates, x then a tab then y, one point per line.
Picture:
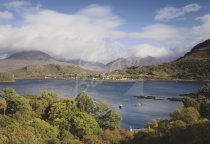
115	93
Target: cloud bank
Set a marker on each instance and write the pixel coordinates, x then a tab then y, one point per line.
69	36
94	34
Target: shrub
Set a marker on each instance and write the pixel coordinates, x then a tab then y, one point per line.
188	115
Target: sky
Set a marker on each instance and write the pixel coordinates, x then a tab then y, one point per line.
103	30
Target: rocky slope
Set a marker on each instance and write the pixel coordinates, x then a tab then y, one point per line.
123	63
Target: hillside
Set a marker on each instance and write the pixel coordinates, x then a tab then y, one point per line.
194	65
200	51
122	63
52	71
26	58
34	60
37	64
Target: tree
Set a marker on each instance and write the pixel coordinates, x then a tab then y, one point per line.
14	101
168	127
117	136
205	90
205	109
84	124
50	96
39	106
9	92
42	104
109	120
190	102
57	113
44	130
14	132
101	108
94	139
153	124
67	138
188	115
61	112
85	103
105	116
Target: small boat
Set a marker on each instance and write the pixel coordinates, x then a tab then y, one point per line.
120	106
138	105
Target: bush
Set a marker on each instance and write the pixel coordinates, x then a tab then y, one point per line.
205	90
188	115
84	103
190	102
44	130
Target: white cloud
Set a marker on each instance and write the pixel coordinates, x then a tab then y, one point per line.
6	15
179	40
68	36
203	30
170	12
191	8
117	45
96	11
144	50
117	34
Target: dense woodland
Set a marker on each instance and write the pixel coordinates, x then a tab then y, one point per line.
49	119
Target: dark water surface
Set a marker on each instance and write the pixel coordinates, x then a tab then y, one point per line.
115	93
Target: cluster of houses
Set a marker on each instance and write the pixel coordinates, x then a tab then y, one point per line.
89	77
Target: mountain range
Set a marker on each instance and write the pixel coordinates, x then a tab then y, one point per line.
194	65
34	64
123	63
118	64
26	58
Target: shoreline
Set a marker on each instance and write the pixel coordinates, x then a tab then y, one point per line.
8	81
157	80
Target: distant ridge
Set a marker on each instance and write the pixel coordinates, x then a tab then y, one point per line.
25	58
122	63
117	64
30	55
194	65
